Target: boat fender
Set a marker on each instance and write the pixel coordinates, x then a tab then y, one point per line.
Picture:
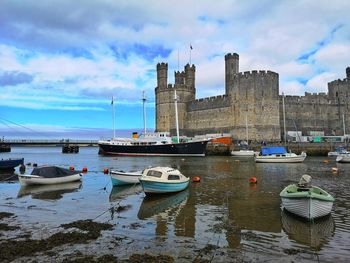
325	161
253	180
85	170
196	179
71	168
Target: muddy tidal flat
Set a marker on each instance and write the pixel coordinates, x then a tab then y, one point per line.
222	218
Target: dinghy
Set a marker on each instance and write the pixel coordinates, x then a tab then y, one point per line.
161	180
305	200
49	175
125	178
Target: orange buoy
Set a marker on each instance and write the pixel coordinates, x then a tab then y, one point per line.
335	169
237	161
325	161
85	170
71	168
196	179
253	180
105	171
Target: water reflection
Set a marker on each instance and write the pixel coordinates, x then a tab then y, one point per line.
162	206
119	192
314	234
49	192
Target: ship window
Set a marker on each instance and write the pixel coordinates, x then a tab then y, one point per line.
154	173
173	177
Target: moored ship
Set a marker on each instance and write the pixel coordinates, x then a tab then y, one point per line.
152	144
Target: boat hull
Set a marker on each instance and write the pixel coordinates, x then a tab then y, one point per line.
39	180
153	187
343	158
173	149
122	178
274	159
10	163
243	153
308	208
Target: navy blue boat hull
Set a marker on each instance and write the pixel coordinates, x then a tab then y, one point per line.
10	164
197	148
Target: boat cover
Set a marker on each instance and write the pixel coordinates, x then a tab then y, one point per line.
52	172
273	150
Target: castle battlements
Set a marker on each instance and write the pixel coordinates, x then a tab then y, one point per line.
256	73
209	103
339	82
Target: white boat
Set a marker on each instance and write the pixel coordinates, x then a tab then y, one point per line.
160	180
125	178
305	200
338	151
278	155
49	175
343	158
244	153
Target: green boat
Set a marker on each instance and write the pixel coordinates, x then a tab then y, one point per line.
305	200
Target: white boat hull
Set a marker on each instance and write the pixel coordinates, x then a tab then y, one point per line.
125	178
39	180
309	208
343	158
280	159
243	153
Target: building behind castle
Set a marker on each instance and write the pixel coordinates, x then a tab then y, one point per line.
251	100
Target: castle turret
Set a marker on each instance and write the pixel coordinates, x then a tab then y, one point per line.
348	72
190	72
231	68
162	75
179	78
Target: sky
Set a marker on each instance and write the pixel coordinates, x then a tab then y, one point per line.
61	61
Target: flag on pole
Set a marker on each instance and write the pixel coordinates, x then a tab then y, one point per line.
112	102
191	46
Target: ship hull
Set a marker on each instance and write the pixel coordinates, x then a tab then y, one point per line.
197	148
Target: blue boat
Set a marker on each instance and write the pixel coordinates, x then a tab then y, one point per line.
161	180
10	164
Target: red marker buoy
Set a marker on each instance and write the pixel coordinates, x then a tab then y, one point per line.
71	168
253	180
196	179
85	170
105	171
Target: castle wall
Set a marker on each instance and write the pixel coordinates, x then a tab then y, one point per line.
208	115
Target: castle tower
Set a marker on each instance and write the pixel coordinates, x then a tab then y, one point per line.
231	68
164	93
190	72
162	74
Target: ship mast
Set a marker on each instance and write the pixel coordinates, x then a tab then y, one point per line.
176	117
113	115
284	120
144	112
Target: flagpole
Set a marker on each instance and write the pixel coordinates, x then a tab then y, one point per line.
190	53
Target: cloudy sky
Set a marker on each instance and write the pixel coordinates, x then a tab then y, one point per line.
61	61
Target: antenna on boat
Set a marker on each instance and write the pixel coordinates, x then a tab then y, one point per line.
112	103
176	117
144	112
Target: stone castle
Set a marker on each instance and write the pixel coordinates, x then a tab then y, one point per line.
251	103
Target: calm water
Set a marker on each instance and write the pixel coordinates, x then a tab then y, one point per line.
223	211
